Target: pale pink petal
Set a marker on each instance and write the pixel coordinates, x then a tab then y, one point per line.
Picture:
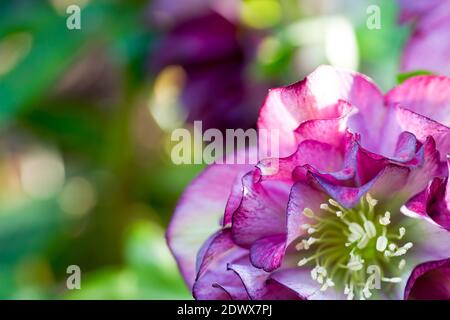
198	214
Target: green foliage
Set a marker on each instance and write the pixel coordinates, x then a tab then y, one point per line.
149	272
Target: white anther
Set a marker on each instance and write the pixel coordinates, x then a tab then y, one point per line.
349	291
392	280
311	241
371	201
299	246
388	254
382	242
346	289
325	206
355	263
353	237
356	228
305	244
408	246
402	232
320	279
302	262
305	226
401	264
321	270
311	230
328	283
392	246
339	214
371	231
400	252
314	273
334	203
363	242
308	213
386	219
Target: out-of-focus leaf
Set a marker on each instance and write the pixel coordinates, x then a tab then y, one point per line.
27	229
150	273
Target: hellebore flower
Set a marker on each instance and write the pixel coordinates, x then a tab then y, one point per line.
210	49
358	208
428	47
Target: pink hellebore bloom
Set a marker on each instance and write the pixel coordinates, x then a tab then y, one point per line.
359	207
428	47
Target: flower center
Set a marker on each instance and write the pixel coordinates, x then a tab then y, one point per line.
355	249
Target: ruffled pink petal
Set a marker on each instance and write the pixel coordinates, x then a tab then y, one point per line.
330	131
428	96
302	196
262	211
198	214
216	245
433	203
214	280
258	284
317	97
267	253
423	127
385	184
429	281
322	157
426	166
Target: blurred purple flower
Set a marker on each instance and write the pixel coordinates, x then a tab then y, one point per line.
214	52
358	208
428	47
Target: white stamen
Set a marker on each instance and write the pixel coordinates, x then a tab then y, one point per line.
371	201
371	231
356	228
408	246
402	232
363	242
314	273
392	246
353	237
328	283
392	280
308	213
302	262
401	264
355	263
382	242
311	230
311	241
334	203
386	219
346	289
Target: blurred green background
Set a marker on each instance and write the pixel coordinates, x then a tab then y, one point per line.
86	115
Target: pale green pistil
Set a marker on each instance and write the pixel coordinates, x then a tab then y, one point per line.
354	249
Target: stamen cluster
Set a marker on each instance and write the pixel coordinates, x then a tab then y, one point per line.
355	249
